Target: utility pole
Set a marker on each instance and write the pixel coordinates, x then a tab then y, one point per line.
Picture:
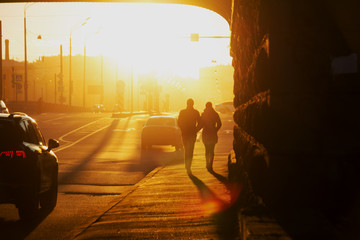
25	60
132	89
61	82
84	76
55	88
102	80
70	83
1	76
27	5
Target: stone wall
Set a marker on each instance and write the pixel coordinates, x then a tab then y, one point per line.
297	96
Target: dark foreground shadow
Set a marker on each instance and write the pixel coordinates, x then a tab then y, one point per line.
20	229
223	214
221	178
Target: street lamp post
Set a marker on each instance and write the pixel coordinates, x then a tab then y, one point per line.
84	76
70	82
1	76
27	5
84	81
102	80
132	90
25	57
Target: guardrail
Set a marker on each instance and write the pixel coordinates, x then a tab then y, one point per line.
39	107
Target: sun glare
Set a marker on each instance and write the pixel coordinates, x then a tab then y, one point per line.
144	45
156	37
148	37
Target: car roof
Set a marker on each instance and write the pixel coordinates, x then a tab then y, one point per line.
161	121
15	115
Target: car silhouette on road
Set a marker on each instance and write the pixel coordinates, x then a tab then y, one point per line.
28	166
161	130
225	107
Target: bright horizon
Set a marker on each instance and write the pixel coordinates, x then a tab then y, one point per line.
148	37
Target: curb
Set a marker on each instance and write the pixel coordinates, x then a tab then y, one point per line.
261	228
77	232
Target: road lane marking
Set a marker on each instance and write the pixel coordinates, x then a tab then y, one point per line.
58	118
80	139
77	129
124	130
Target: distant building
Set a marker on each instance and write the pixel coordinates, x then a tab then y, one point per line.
216	83
44	80
13	80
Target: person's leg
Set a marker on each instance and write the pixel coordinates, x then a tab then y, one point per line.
187	155
191	152
211	156
207	156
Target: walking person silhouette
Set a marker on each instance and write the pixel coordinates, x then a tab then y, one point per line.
189	122
211	124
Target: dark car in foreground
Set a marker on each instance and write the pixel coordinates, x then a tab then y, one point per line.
161	130
28	166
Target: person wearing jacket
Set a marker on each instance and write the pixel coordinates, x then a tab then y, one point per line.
190	123
211	123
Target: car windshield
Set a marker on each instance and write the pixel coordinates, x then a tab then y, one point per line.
7	134
161	121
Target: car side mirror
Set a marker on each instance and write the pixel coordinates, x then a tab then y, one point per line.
53	144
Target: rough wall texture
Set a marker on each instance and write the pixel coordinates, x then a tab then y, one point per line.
297	96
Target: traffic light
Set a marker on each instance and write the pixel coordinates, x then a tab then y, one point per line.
194	37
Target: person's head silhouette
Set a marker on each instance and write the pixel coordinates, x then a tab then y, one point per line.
190	103
208	105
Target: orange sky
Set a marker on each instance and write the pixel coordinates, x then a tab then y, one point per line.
146	36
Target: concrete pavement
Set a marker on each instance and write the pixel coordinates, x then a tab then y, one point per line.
170	204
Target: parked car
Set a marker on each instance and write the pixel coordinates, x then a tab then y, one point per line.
225	108
161	130
3	108
28	166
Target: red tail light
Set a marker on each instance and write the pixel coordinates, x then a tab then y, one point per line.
7	154
12	154
20	154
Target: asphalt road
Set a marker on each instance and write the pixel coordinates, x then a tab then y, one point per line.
99	158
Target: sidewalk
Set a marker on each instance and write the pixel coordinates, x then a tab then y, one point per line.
169	204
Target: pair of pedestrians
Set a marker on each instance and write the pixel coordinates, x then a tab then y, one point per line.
190	122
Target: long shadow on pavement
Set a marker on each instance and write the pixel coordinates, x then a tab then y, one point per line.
65	178
223	214
221	178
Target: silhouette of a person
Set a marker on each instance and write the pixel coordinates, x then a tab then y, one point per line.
211	124
189	123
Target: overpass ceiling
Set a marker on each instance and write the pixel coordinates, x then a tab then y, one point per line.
222	7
